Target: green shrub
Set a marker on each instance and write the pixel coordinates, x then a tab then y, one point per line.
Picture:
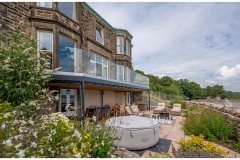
211	124
22	70
237	146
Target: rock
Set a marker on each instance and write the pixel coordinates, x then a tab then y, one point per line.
124	153
237	112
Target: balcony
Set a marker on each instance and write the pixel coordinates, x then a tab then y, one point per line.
75	61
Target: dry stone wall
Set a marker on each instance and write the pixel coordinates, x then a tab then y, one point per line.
230	113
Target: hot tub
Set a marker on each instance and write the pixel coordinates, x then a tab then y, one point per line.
133	132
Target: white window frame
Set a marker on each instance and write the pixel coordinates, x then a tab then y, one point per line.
100	30
103	65
127	51
118	44
120	73
126	74
38	54
128	98
38	4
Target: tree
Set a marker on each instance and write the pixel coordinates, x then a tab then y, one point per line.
196	91
218	90
166	81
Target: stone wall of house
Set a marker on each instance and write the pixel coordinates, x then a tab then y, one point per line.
88	30
230	113
11	13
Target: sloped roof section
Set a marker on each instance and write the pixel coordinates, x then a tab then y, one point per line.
117	30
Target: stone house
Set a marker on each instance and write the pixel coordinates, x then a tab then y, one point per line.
96	58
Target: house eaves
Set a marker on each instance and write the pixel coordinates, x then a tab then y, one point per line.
117	30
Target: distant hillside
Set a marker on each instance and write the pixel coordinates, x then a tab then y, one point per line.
183	87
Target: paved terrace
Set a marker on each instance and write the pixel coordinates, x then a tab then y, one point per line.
175	133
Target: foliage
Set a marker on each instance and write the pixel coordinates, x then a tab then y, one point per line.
51	136
212	125
22	70
24	131
237	146
183	87
195	147
215	91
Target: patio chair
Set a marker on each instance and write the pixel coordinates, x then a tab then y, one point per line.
128	111
120	111
176	111
112	109
159	109
135	110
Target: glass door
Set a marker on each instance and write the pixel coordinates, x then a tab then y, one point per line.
68	98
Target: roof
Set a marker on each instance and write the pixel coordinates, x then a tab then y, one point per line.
117	30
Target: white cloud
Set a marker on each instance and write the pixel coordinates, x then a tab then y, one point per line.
226	73
187	40
211	81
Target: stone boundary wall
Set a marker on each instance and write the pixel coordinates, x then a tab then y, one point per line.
229	112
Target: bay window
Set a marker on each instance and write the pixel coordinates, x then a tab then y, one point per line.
98	65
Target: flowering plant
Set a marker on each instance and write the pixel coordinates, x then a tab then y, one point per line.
24	130
195	147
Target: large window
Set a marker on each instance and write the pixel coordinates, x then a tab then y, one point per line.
45	4
99	34
127	48
120	73
45	41
120	44
98	65
66	54
67	8
126	74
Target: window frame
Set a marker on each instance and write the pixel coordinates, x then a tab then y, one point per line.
73	13
118	73
101	31
126	74
129	47
102	64
128	98
38	36
118	45
38	4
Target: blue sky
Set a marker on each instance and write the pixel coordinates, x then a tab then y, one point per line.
189	40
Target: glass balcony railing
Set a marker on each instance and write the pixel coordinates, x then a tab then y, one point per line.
80	61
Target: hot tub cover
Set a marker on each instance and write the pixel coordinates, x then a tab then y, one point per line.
133	132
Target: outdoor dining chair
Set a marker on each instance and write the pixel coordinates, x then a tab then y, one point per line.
120	111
